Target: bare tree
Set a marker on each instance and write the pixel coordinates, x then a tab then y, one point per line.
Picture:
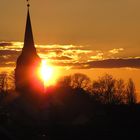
119	96
65	81
75	81
3	82
11	80
131	92
80	81
104	89
98	91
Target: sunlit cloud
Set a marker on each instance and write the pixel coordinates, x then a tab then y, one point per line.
99	56
58	46
116	51
69	56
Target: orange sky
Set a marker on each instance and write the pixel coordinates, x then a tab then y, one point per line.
96	23
75	34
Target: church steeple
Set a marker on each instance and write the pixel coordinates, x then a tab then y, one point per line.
28	38
26	78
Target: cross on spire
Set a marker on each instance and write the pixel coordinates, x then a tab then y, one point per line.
28	4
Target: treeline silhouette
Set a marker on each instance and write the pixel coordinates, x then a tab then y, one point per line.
75	108
105	90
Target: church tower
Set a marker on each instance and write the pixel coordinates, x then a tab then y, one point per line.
28	62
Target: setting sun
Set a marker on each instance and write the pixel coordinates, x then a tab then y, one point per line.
48	73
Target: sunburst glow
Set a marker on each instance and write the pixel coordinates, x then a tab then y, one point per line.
46	73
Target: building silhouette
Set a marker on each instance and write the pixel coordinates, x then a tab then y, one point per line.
26	77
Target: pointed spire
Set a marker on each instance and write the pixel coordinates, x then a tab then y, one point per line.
28	38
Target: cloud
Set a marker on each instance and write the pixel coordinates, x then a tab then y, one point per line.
114	63
61	58
69	56
3	44
116	51
9	52
98	56
58	53
8	60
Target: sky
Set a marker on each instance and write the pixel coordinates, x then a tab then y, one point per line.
89	36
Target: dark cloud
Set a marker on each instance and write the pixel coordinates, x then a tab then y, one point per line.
7	60
108	63
9	52
114	63
8	57
3	44
48	50
61	58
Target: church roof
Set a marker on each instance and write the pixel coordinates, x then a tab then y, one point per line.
28	55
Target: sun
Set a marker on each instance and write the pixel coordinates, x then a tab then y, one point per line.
46	73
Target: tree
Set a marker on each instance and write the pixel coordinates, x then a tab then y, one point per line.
80	81
131	92
65	81
119	96
75	81
11	80
3	82
104	89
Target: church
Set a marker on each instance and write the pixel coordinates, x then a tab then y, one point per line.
26	78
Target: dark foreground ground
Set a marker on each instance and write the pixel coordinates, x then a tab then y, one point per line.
67	118
106	123
68	133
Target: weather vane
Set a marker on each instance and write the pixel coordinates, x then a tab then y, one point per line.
28	5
